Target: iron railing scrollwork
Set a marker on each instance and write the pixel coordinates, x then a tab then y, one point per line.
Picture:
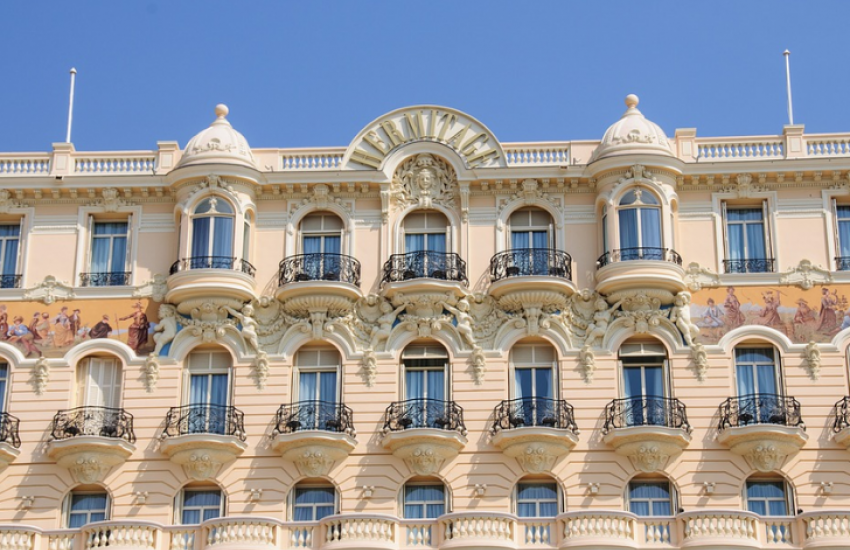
205	418
314	415
760	408
213	262
445	266
99	421
523	262
10	430
10	281
842	263
424	413
752	265
319	267
648	410
109	278
639	253
534	412
841	412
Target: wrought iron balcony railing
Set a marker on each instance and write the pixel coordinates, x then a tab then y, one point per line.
100	421
641	253
760	408
753	265
841	412
649	410
9	430
110	278
319	267
842	263
523	262
213	262
534	412
424	413
10	281
205	418
445	266
314	415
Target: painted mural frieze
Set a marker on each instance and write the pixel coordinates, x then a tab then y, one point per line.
424	180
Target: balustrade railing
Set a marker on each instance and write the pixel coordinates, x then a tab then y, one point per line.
24	165
751	265
424	413
10	281
108	278
444	266
827	145
842	263
760	408
99	421
319	267
213	262
649	410
532	412
537	154
241	532
129	163
522	262
10	430
639	253
314	415
747	148
205	418
124	534
841	415
311	159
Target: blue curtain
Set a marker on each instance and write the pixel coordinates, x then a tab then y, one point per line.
436	384
332	245
735	237
87	509
312	245
755	241
206	504
4	377
650	499
201	237
650	227
767	498
844	231
414	242
437	242
745	234
327	386
314	503
10	235
628	228
223	237
208	389
534	387
519	240
307	383
642	383
537	500
524	383
422	384
424	501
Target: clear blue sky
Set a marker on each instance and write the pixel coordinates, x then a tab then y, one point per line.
314	73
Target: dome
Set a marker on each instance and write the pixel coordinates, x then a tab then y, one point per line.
219	143
633	134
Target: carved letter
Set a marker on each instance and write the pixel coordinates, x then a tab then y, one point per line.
448	121
365	158
415	124
392	132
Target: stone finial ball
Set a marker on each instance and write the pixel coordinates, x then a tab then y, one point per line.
632	100
221	110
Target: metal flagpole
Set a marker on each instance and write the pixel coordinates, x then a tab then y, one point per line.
787	55
71	105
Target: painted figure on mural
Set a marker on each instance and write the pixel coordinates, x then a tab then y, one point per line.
828	318
734	316
805	321
19	334
63	336
713	317
102	329
769	315
137	334
42	330
33	326
76	323
4	322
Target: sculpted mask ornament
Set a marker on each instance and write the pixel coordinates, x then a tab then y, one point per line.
536	459
765	458
40	375
314	462
479	365
370	368
700	359
424	461
151	372
261	369
649	458
813	360
587	362
201	467
89	469
424	181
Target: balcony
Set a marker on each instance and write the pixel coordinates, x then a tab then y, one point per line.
425	270
314	435
206	276
646	268
90	441
10	281
754	265
122	535
649	430
763	428
110	278
10	441
424	433
522	269
840	424
330	277
842	263
535	431
202	437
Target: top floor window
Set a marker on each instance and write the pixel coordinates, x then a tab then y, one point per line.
10	237
108	256
426	231
842	234
747	239
212	232
531	228
639	215
321	233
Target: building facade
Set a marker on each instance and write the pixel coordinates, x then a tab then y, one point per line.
427	339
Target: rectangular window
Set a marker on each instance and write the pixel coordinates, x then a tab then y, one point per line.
87	508
759	399
650	499
842	230
425	387
10	238
537	500
767	498
747	240
318	389
108	258
424	501
199	506
313	503
4	385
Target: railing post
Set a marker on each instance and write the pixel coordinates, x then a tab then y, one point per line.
686	144
167	155
795	144
62	163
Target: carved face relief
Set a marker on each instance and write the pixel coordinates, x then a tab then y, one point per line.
201	467
314	462
765	458
649	458
536	459
424	461
89	469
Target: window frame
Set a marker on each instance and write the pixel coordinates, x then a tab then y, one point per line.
19	255
559	497
291	504
180	500
788	496
67	507
424	504
298	369
777	368
639	205
321	233
212	229
92	222
533	366
447	231
663	363
530	229
446	368
83	375
672	496
726	206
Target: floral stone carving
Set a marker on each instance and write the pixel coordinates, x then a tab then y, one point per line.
424	450
202	455
764	446
649	448
314	452
535	448
89	458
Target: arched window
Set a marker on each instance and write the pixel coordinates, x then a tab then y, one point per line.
760	399
321	233
535	380
312	502
425	386
99	382
246	236
644	384
531	228
208	391
426	231
639	216
648	497
318	389
537	498
98	402
196	504
86	505
768	496
424	499
212	234
4	386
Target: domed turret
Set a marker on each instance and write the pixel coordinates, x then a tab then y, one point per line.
218	144
633	134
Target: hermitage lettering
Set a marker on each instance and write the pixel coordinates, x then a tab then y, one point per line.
468	137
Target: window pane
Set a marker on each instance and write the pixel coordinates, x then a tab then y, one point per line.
650	227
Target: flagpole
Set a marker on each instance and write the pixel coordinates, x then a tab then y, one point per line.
787	55
71	105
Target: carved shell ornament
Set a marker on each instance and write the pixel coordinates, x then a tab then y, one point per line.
424	180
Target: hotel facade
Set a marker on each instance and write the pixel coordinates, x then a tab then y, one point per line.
428	339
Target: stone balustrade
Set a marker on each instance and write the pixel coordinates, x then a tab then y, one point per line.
537	154
585	530
311	159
